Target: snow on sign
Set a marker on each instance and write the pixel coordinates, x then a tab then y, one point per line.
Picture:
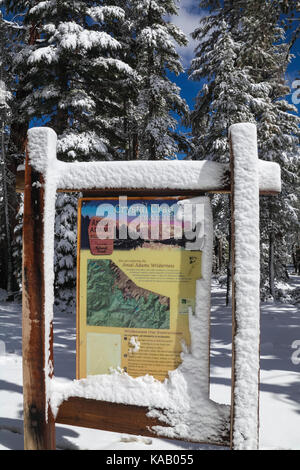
170	400
138	263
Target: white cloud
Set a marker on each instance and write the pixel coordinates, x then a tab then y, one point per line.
187	20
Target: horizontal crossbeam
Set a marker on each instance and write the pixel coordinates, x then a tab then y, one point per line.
139	177
114	417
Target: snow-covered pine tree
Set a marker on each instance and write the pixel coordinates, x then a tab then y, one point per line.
242	57
223	100
227	91
126	84
70	76
8	200
18	246
151	123
65	250
267	57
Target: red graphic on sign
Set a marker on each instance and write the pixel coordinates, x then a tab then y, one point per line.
100	246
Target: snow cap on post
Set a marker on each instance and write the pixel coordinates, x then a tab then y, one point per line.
244	138
42	148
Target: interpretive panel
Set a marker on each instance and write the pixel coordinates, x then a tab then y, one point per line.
138	262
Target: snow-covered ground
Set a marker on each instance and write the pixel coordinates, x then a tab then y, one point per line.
280	379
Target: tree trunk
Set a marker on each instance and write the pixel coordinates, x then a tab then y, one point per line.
271	264
19	126
294	261
135	144
229	269
60	121
5	183
9	257
220	254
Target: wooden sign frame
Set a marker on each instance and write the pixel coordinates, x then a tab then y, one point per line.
41	183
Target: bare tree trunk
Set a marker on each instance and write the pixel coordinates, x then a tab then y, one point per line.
220	253
5	182
271	264
294	259
19	126
6	216
229	269
135	147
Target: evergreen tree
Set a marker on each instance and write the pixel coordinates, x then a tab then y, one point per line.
278	133
18	245
69	76
72	76
152	101
158	98
65	250
85	70
242	57
8	199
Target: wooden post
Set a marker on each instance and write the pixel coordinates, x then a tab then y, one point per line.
39	427
244	433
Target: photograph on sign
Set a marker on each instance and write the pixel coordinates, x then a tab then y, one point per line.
139	260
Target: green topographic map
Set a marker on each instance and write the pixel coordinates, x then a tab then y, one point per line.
114	300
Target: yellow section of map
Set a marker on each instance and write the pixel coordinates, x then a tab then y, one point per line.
168	272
